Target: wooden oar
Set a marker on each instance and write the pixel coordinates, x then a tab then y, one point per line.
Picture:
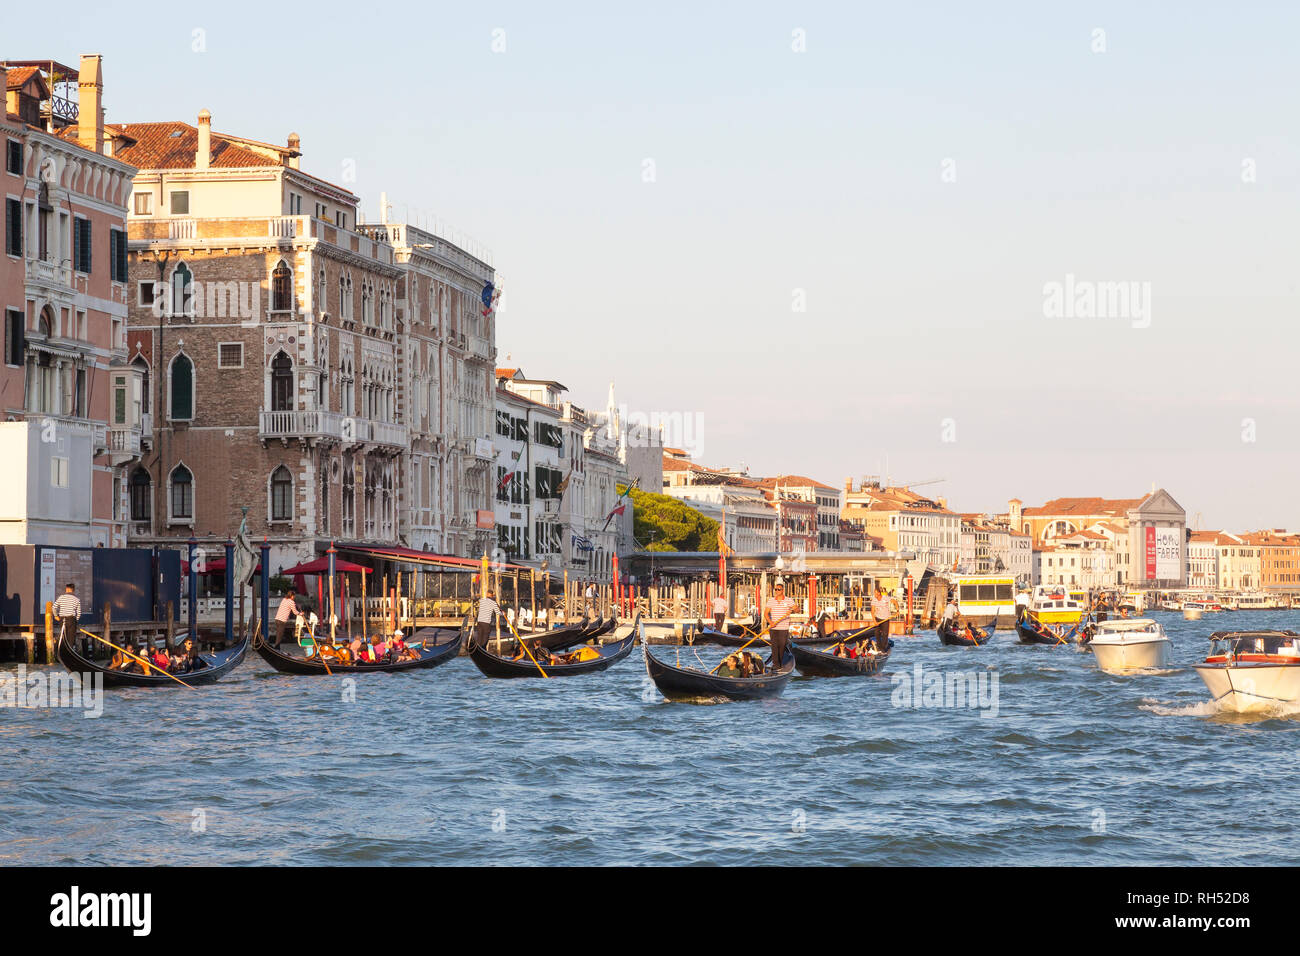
524	645
147	664
312	634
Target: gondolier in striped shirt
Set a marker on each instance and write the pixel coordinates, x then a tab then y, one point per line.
487	609
882	609
288	607
67	609
778	612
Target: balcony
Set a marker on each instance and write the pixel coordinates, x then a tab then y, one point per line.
307	425
388	434
123	443
50	273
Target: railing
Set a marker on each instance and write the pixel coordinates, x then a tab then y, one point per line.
180	228
50	271
124	439
386	433
300	423
282	227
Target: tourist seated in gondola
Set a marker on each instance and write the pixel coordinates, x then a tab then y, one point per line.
178	661
752	665
120	661
582	654
159	659
730	667
399	650
969	633
839	650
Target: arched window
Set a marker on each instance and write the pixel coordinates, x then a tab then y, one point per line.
281	288
182	290
281	383
323	305
141	495
281	495
182	494
143	366
182	388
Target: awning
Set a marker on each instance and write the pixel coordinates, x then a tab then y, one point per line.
215	566
322	566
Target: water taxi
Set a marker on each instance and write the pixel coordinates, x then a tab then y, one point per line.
1252	670
1057	605
1130	644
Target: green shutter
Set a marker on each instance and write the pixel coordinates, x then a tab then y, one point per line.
182	389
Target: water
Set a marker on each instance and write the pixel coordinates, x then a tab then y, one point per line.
447	766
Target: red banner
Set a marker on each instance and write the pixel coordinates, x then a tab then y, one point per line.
1151	553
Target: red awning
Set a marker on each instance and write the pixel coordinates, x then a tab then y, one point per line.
322	566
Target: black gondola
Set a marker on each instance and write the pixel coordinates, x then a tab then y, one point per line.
703	634
495	665
955	638
818	661
693	685
216	665
1030	630
440	644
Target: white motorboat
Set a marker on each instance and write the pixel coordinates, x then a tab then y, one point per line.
1130	644
1253	670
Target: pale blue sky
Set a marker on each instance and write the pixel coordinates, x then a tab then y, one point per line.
821	171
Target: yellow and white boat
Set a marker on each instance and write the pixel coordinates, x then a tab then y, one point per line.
1058	605
985	598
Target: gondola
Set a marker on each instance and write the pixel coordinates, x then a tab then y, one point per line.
1030	630
955	638
697	686
814	660
703	634
496	665
216	665
440	644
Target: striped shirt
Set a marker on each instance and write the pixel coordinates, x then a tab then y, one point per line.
779	611
486	608
287	606
68	605
881	609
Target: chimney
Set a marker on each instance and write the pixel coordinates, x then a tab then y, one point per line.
90	94
203	152
295	150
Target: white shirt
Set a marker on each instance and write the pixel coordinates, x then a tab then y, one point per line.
486	608
949	613
719	605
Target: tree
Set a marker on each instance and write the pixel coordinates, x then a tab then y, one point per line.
664	523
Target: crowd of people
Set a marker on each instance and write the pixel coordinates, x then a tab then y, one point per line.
374	650
542	656
182	659
742	664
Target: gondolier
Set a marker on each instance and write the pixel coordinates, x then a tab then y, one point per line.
288	607
67	609
778	613
720	609
487	609
882	609
950	612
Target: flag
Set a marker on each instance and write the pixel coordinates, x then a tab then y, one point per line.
620	506
489	297
564	484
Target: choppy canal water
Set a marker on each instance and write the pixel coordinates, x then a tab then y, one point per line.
447	766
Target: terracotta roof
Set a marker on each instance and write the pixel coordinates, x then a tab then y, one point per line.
18	76
1085	506
507	372
173	145
797	481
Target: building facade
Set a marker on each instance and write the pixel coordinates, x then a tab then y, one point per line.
72	415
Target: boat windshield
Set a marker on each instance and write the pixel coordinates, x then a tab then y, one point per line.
1279	643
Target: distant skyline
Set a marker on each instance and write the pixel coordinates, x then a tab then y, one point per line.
831	232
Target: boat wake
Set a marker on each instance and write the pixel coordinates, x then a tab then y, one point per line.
1210	708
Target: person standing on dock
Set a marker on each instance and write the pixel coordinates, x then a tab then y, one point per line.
288	606
67	609
590	597
487	609
719	610
778	613
882	609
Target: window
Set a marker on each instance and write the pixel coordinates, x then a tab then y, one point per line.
59	472
119	399
14	157
341	220
321	211
281	383
182	494
182	388
180	202
281	288
143	366
81	244
281	495
146	293
143	204
117	255
13	227
182	290
230	355
14	337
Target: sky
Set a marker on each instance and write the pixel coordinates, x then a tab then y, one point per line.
1031	249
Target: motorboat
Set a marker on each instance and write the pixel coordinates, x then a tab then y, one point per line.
1057	605
1130	644
1252	670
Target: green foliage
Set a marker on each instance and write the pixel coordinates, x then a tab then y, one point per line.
664	523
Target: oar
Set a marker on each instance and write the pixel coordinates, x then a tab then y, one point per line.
316	645
524	645
147	664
